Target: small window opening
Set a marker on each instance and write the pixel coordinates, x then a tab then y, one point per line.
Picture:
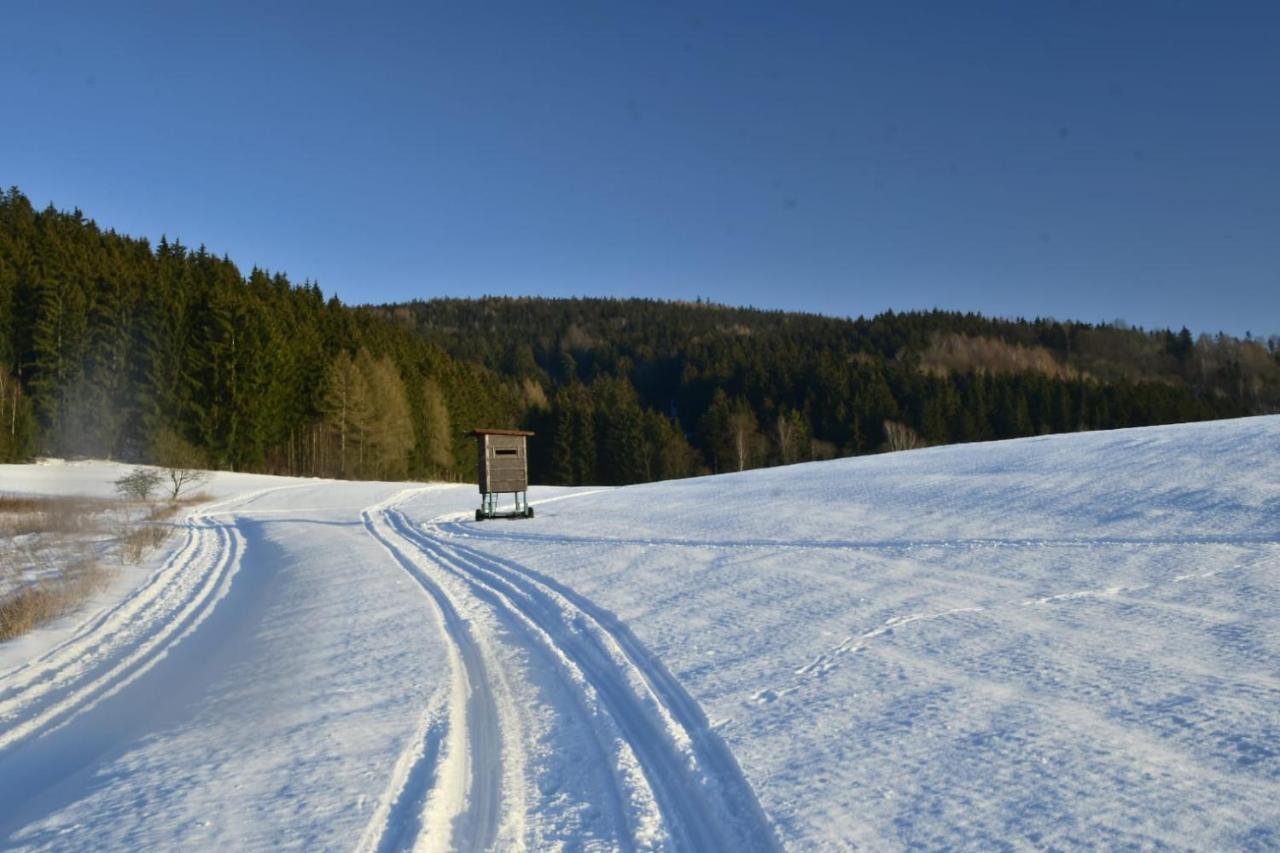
507	452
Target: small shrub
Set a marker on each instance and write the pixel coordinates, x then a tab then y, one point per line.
139	484
136	542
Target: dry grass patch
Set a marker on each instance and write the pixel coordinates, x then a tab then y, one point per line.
53	550
20	504
135	542
21	515
164	511
32	605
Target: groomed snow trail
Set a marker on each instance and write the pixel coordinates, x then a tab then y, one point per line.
253	691
676	783
447	791
113	650
532	719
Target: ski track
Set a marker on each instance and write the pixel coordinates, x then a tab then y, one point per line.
705	802
641	816
120	644
450	780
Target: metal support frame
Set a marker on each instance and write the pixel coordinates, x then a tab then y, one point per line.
489	506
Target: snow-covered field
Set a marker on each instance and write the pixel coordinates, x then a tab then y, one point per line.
1053	642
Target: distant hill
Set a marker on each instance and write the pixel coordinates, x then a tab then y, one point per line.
746	388
110	346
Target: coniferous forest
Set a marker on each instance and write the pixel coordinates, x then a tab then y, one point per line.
110	347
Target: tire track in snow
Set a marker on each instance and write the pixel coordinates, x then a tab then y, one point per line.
116	647
704	799
450	781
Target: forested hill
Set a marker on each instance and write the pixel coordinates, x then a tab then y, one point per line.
749	388
110	346
113	347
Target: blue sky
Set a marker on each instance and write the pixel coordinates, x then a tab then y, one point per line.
1088	160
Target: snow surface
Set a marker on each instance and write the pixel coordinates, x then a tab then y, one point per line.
1051	642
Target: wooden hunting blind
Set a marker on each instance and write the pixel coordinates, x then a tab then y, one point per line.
504	469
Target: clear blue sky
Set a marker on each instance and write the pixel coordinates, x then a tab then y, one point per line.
1091	160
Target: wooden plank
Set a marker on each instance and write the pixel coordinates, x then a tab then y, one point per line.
502	472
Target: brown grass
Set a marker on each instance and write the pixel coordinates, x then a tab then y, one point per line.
33	605
164	511
20	504
21	514
60	526
136	542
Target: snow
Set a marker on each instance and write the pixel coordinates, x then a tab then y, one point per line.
1050	642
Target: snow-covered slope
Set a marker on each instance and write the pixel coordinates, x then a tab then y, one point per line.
1061	641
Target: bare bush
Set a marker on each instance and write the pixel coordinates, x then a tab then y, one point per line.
137	541
139	484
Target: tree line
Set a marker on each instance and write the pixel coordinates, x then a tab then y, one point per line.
113	347
639	389
109	345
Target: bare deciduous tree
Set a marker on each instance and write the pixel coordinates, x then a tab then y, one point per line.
744	436
139	484
901	437
785	432
182	462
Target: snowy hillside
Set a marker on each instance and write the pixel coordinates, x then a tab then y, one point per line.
1050	642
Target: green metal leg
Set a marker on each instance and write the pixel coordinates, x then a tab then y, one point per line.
489	506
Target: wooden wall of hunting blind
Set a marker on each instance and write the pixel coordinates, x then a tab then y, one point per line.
504	464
